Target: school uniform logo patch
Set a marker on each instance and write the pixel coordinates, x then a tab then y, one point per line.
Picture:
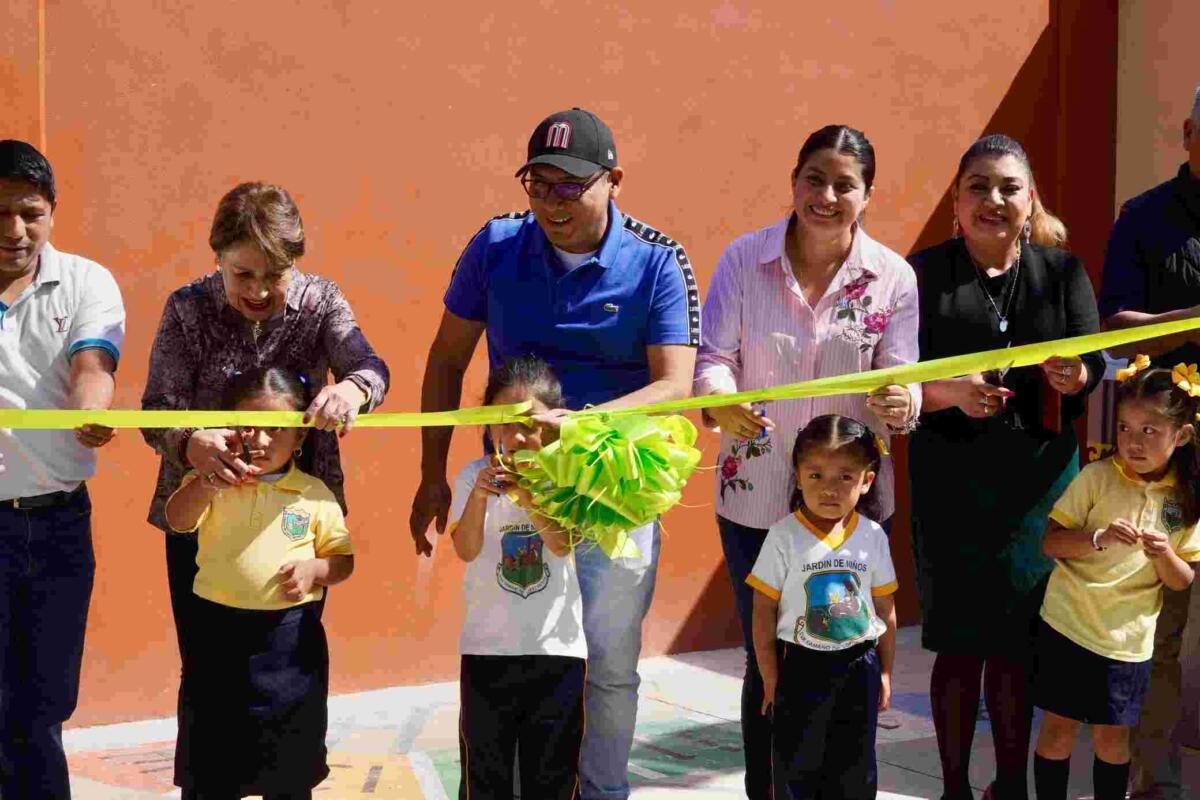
837	611
295	523
1171	516
521	570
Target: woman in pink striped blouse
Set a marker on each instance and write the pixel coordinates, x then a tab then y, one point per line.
808	297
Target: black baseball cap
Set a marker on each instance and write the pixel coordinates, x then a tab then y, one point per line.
575	141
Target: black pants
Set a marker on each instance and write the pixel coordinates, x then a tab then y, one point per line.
181	550
47	568
823	726
533	701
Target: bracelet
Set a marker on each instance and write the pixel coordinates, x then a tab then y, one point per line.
908	427
363	387
183	443
1096	540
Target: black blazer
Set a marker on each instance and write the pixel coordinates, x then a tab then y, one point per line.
1053	300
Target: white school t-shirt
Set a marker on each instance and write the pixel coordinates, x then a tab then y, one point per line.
521	598
825	584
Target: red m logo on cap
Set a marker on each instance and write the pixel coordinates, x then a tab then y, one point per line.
559	135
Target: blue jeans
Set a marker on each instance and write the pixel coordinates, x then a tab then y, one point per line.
46	570
616	596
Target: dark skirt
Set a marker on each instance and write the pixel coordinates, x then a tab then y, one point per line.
980	507
1076	683
254	717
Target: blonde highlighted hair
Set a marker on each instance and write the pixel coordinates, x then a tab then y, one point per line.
1044	228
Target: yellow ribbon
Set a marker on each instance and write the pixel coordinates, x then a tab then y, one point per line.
65	420
861	383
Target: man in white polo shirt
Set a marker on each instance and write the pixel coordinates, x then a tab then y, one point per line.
61	327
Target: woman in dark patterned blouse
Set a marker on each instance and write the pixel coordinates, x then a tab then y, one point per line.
256	310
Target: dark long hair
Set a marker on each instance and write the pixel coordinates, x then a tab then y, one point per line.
266	381
842	139
1044	228
833	432
1179	408
529	371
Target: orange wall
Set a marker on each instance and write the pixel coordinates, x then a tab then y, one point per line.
398	127
1158	78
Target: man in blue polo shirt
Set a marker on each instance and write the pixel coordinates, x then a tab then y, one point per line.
613	306
61	327
1152	274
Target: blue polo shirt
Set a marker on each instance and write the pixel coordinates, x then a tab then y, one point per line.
592	324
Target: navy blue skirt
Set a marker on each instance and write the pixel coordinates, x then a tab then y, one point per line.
253	716
1076	683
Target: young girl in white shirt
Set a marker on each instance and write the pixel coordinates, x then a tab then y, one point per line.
825	618
523	651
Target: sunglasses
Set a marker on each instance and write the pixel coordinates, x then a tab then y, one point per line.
539	189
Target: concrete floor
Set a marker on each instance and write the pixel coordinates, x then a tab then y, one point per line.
402	742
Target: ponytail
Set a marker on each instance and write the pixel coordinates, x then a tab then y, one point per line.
1045	229
1186	463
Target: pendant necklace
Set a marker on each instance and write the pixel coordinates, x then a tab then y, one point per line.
1012	290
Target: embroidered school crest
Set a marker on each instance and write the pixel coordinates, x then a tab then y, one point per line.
521	569
1171	516
836	609
295	523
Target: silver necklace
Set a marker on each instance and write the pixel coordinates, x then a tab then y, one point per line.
1012	289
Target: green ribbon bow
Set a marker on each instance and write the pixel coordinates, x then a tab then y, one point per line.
606	476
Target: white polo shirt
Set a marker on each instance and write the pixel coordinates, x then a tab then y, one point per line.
72	305
825	583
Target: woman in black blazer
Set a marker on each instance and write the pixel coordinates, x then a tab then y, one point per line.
993	452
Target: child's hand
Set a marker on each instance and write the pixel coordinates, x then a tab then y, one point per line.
1119	531
521	496
297	578
769	685
493	479
1155	544
885	691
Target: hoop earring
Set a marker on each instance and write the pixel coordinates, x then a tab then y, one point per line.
956	232
296	453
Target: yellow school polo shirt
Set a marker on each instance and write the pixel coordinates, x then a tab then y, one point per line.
1108	600
248	532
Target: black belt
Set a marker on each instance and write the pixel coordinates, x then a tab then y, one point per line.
42	500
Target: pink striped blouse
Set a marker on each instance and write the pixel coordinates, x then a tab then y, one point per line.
759	331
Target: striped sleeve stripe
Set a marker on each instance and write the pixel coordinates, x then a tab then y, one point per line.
95	344
885	590
509	215
657	237
763	588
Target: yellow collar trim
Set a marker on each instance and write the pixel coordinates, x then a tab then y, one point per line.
293	480
1167	481
838	534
